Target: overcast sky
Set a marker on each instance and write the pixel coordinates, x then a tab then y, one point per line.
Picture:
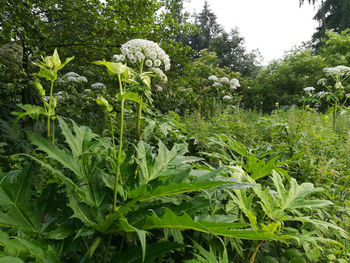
272	26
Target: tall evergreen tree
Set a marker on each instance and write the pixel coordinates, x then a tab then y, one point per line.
208	28
331	14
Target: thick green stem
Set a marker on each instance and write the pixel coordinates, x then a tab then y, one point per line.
252	258
139	113
49	111
120	151
112	133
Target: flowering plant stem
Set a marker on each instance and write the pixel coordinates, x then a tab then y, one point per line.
49	113
118	160
139	110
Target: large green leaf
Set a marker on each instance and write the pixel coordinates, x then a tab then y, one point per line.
153	167
184	221
296	196
15	199
145	193
57	154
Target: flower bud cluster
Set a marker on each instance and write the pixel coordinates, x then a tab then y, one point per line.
138	50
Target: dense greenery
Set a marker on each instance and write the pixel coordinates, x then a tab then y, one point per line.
105	157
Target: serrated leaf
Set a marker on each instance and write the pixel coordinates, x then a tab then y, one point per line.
184	221
15	197
153	167
133	97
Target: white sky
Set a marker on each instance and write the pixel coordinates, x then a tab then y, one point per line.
272	26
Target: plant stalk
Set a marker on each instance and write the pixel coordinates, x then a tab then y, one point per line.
120	148
139	113
49	111
252	258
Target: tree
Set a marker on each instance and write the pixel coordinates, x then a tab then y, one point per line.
331	15
87	29
208	29
232	53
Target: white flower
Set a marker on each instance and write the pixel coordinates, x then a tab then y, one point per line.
338	72
309	89
118	58
72	74
159	88
149	63
217	84
321	81
225	80
227	97
140	49
87	90
72	79
98	85
157	62
213	78
81	79
235	82
160	74
233	87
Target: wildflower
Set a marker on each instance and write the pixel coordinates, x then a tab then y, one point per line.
322	81
227	97
160	74
338	72
72	74
149	63
217	84
157	63
81	79
225	80
213	78
87	90
235	82
72	79
140	49
118	58
309	89
159	88
98	85
233	87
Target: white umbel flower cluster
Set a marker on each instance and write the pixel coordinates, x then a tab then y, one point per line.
98	85
227	97
309	89
338	73
213	78
138	50
218	82
74	77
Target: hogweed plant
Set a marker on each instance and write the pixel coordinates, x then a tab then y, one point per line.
142	53
335	94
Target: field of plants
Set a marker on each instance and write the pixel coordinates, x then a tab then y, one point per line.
144	145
